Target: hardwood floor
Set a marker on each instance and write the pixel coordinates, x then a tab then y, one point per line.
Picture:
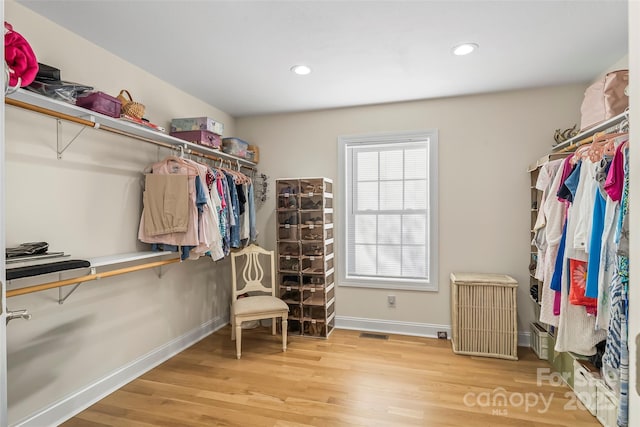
346	380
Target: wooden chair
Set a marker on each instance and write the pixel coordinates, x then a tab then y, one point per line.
262	302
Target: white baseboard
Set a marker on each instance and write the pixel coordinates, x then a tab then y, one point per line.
407	328
392	326
75	403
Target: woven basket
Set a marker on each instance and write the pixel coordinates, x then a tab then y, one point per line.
129	106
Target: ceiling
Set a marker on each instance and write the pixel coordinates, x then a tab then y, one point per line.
236	55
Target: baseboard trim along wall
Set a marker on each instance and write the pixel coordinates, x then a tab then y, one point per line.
392	326
427	330
75	403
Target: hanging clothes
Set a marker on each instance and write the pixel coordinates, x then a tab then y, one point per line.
576	324
543	183
593	272
175	166
616	355
196	209
554	211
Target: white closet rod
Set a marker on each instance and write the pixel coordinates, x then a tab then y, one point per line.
587	136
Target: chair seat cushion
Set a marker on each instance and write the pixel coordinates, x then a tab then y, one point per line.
259	304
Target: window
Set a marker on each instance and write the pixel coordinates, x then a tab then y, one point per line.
389	215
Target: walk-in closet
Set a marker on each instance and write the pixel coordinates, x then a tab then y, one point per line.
319	213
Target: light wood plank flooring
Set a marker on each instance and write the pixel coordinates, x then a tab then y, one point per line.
346	380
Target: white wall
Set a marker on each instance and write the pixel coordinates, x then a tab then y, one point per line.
486	143
88	204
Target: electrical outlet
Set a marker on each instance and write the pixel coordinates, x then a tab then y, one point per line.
442	335
391	300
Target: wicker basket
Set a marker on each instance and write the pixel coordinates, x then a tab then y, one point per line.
129	106
484	315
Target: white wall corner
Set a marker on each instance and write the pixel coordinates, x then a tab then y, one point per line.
75	403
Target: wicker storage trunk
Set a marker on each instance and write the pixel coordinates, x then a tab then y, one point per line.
484	315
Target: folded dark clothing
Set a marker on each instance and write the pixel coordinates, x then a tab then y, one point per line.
35	270
31	248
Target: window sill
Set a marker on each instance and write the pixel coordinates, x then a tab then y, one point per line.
390	286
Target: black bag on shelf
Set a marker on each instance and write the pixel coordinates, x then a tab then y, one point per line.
59	89
47	73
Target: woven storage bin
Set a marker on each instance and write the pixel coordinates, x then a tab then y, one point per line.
484	315
539	341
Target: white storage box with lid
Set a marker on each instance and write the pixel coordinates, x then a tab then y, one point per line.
484	315
584	384
606	405
539	341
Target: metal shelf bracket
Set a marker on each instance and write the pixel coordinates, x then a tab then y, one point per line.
59	150
161	271
62	299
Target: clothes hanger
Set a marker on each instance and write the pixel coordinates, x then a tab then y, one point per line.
597	149
613	143
580	153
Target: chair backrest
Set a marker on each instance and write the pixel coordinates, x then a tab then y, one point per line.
253	274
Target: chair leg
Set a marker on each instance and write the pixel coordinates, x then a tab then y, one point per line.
273	325
233	328
238	329
284	334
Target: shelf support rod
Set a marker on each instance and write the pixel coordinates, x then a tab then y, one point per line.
59	138
161	271
62	299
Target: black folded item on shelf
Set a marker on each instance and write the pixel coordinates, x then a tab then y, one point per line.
48	82
47	73
36	270
25	249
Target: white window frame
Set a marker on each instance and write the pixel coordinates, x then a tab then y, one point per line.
344	144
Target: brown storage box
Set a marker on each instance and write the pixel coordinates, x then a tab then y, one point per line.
202	137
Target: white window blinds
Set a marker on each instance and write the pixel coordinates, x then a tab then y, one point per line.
389	218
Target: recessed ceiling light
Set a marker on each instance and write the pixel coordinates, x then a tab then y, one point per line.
302	70
464	49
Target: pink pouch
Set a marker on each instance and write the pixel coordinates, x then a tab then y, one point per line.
100	102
